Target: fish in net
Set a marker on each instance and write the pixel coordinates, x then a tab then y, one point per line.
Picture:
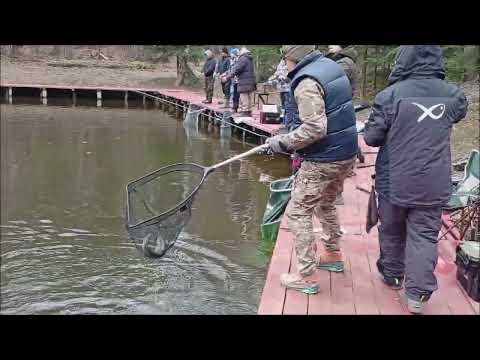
159	204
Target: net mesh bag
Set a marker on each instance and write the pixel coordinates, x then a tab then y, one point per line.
191	122
191	116
159	205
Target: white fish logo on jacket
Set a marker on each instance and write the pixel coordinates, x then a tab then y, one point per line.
429	112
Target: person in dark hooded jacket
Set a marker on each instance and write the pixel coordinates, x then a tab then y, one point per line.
411	122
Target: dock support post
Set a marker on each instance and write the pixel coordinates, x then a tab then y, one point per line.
74	97
177	109
243	136
43	93
10	92
44	101
99	98
125	99
144	101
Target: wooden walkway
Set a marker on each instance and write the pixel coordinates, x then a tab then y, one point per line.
359	290
182	97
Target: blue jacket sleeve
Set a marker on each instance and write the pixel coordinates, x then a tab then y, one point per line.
379	121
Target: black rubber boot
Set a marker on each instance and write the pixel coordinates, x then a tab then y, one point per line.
395	283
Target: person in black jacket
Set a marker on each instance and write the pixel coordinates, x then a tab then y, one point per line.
208	71
411	122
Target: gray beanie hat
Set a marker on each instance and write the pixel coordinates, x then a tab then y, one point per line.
296	53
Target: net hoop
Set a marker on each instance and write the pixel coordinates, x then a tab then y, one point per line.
163	171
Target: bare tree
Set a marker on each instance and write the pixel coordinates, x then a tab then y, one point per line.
364	72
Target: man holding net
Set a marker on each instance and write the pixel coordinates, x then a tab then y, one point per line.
325	136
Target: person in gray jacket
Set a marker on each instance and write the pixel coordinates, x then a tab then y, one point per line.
411	122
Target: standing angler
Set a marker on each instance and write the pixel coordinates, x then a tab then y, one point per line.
223	67
244	71
208	71
411	122
325	136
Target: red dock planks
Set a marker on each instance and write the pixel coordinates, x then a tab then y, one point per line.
363	288
342	291
273	296
456	299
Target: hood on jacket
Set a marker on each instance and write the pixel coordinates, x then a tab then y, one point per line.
417	61
247	54
244	51
348	51
208	54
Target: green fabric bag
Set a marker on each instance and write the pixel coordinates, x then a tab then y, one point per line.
280	192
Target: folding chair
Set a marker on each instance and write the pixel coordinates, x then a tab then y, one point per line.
464	204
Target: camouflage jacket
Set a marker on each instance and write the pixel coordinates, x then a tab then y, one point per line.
280	77
346	58
311	109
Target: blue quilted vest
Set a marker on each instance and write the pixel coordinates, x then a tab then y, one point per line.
341	141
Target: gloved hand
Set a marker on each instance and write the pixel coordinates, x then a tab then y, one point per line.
276	144
265	151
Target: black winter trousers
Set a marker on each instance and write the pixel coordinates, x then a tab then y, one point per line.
408	246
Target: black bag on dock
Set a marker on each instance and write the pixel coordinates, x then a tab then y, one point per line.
372	210
468	268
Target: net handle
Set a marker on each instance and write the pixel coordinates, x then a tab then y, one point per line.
239	156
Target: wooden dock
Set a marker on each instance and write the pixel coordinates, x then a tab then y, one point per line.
359	290
180	99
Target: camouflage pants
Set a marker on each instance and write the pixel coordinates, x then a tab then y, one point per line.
209	83
315	188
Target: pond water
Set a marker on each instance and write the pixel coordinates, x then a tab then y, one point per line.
64	248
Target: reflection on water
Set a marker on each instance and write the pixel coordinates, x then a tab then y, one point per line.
64	246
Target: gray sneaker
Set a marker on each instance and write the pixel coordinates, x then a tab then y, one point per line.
416	306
